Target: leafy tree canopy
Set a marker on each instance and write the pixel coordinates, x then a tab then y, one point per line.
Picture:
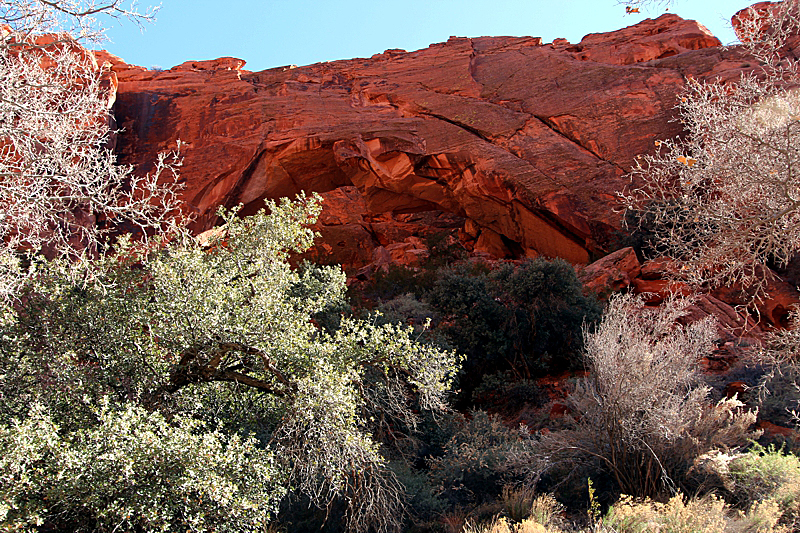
213	340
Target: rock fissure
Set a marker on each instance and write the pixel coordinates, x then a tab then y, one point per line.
458	124
550	125
471	67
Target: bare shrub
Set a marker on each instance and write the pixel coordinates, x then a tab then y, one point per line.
61	188
641	415
724	198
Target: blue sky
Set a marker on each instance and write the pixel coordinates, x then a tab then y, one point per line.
271	33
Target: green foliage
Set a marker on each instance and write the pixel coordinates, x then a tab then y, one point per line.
503	393
445	249
474	464
556	306
477	324
133	470
423	500
526	317
768	475
394	281
225	335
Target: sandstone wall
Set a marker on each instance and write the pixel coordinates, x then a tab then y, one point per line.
522	145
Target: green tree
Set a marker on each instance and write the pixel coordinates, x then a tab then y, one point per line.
222	334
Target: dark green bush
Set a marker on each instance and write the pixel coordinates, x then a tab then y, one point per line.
552	297
503	393
477	324
525	317
473	468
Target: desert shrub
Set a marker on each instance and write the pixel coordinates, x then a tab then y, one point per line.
503	525
643	230
779	395
424	502
762	517
779	388
133	471
314	283
557	309
517	502
708	514
444	249
544	509
526	317
702	515
725	231
478	323
768	474
63	193
393	282
475	322
641	416
473	467
407	309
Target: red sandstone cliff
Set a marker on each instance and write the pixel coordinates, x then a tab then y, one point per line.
520	145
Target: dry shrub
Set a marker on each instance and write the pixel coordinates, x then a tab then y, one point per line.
642	416
517	502
721	198
705	515
709	514
455	520
521	503
763	517
503	525
545	510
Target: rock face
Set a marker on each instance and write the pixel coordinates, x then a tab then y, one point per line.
517	145
612	273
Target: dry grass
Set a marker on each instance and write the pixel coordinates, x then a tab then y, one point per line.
708	514
503	525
